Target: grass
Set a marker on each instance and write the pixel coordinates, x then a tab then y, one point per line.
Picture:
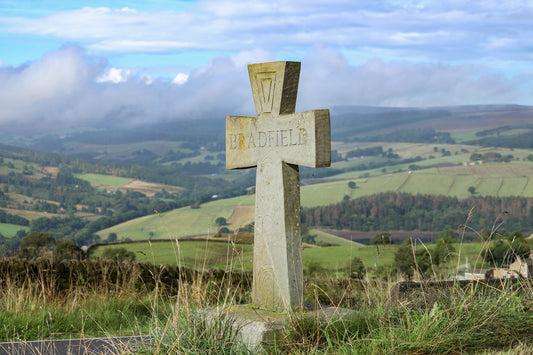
461	320
9	230
199	254
494	179
104	180
326	238
177	223
36	310
196	254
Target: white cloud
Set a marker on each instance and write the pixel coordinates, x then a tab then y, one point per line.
257	55
114	75
67	87
431	30
138	46
180	79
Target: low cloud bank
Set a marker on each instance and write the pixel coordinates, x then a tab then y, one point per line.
70	87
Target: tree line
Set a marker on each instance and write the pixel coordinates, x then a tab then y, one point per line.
404	211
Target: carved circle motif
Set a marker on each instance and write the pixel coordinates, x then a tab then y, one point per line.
265	287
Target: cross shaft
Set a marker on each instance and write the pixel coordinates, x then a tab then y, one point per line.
276	142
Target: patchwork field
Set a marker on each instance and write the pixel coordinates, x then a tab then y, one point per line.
109	182
104	180
496	179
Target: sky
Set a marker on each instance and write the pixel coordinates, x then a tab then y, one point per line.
130	62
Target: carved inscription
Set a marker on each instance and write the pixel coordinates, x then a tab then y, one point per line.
262	139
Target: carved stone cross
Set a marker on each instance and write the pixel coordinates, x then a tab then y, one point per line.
277	141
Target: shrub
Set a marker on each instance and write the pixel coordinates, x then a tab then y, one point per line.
35	245
355	269
118	254
381	238
67	250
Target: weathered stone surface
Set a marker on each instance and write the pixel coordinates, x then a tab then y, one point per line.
277	141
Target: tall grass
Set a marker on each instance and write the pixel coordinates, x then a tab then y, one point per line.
126	299
469	321
40	309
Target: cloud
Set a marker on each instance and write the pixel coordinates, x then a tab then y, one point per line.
327	80
70	87
180	79
114	75
431	30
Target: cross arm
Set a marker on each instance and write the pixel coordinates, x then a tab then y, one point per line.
238	153
300	139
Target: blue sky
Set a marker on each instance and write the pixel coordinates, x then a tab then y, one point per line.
76	62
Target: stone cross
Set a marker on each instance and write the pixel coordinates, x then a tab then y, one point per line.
277	141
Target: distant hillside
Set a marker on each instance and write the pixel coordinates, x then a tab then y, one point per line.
87	180
197	147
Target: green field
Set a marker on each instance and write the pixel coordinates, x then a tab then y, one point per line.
202	254
496	179
197	254
322	237
105	180
177	223
9	230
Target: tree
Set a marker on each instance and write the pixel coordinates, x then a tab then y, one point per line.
112	237
472	190
309	238
381	238
221	221
352	185
404	259
66	249
408	259
450	235
443	250
36	244
504	251
355	269
85	237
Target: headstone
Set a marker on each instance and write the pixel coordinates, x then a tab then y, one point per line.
277	141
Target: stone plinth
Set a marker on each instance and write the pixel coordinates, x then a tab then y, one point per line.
259	328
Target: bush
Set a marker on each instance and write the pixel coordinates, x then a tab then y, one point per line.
118	254
313	268
503	252
35	245
67	250
382	238
355	269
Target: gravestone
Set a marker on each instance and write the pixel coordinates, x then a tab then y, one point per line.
277	141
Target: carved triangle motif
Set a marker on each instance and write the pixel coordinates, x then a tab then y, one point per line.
267	84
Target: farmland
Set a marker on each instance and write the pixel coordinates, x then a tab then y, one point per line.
177	223
491	179
204	254
134	172
9	230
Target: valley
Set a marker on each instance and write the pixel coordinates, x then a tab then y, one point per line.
169	181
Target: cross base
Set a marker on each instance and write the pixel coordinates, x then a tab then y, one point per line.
259	329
